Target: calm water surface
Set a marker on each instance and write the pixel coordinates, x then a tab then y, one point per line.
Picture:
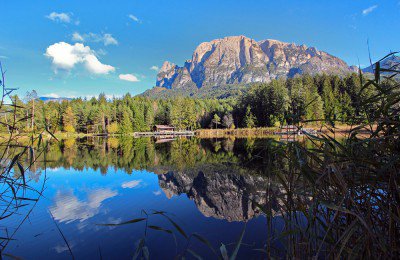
214	188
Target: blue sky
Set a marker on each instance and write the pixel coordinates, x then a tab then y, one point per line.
75	48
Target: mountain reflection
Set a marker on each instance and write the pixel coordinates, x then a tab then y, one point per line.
222	177
218	193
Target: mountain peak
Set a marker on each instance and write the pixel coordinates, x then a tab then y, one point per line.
242	60
167	66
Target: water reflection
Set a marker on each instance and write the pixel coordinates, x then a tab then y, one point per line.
67	207
211	186
226	178
218	193
131	184
209	172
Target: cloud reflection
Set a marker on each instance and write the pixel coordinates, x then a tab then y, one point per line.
68	207
131	184
157	193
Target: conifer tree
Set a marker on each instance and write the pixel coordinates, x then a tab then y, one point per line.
216	120
69	121
249	119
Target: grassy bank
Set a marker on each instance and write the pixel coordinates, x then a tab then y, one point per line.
259	132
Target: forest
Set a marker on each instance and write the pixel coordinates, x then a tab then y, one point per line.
284	101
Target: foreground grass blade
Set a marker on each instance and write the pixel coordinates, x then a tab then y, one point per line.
224	253
124	223
238	244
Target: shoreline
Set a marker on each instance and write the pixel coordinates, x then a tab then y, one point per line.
258	132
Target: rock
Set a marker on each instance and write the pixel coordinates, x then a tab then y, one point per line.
241	60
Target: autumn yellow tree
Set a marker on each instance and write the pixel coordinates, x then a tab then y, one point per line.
69	121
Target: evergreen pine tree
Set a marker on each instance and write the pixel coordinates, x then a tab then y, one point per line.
249	119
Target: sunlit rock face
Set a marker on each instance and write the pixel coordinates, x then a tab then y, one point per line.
218	194
172	76
238	59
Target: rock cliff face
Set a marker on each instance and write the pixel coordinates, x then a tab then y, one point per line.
218	193
238	59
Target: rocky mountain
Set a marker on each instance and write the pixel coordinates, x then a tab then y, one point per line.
239	60
391	62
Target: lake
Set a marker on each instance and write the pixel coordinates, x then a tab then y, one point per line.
201	184
114	197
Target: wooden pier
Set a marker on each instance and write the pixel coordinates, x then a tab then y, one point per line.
164	134
293	130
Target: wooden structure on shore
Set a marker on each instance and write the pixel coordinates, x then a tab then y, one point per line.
164	132
163	128
294	130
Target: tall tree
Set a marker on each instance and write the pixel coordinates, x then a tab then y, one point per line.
249	119
69	120
30	98
126	124
216	120
298	100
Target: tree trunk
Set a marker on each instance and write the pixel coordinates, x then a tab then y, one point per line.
8	127
33	113
103	122
27	119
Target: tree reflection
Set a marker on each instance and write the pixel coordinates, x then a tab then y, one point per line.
324	213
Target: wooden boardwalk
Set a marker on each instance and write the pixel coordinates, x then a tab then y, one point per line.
169	133
293	130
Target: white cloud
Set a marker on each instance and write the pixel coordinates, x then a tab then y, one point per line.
369	10
52	95
67	207
155	68
106	38
59	17
134	18
131	184
128	77
95	66
76	37
113	96
109	40
65	56
101	52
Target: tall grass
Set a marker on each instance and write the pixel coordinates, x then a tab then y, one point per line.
17	160
355	208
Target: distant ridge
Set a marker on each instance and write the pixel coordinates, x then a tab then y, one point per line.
391	62
238	60
53	99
